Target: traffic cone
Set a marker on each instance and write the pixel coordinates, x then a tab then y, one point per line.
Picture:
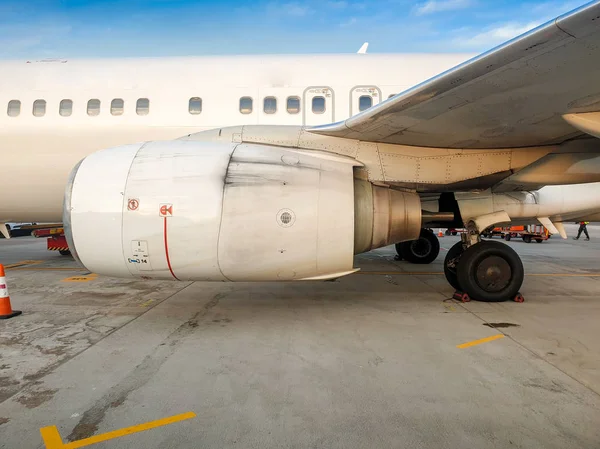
440	234
6	310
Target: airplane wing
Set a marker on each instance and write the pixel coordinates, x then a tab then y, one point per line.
512	96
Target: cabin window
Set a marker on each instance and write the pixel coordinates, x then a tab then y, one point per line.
39	108
142	107
270	105
65	109
93	107
246	105
195	105
14	108
117	106
318	105
365	102
293	105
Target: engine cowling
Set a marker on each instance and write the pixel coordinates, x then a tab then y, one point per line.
193	210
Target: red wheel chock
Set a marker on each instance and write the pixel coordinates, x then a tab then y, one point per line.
464	297
461	296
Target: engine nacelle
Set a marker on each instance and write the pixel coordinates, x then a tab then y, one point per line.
193	210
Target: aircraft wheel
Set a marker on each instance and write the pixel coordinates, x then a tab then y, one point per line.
398	251
491	272
423	250
451	264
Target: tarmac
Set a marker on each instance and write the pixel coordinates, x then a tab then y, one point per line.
381	358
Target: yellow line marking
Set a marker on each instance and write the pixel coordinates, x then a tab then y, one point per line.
419	273
52	438
84	278
478	342
24	262
147	303
51	268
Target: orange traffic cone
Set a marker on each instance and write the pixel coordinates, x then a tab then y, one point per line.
440	234
6	310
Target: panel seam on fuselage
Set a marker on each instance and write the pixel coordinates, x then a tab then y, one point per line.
123	204
222	207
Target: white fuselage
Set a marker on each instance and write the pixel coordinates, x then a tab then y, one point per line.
39	150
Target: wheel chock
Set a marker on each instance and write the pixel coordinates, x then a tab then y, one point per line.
461	296
519	298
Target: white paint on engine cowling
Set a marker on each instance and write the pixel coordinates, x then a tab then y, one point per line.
240	212
94	209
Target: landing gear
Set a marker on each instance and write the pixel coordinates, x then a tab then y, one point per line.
451	264
486	271
424	250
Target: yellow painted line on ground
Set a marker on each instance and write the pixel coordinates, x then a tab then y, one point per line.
147	303
478	342
24	262
84	278
52	438
50	268
420	273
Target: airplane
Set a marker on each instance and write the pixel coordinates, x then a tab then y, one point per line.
281	168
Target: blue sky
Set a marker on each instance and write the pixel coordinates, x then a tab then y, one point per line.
105	28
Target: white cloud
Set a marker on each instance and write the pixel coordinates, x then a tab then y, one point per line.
291	9
433	6
348	23
341	4
495	36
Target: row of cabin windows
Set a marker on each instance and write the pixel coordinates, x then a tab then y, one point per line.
293	104
65	108
142	107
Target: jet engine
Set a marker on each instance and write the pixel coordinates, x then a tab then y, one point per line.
214	211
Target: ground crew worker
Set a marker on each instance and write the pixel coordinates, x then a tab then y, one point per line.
582	227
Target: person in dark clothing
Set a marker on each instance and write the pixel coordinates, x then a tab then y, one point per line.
582	228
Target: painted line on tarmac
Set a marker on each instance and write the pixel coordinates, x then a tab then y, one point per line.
52	439
478	342
23	263
84	278
29	268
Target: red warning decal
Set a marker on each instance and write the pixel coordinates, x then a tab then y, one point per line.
165	210
133	204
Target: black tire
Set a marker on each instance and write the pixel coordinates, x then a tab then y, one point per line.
507	237
424	250
447	232
491	272
539	240
398	251
527	238
453	256
65	252
454	232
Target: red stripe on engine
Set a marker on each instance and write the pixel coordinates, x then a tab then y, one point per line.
167	250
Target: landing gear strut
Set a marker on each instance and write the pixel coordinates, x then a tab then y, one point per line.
485	270
424	250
